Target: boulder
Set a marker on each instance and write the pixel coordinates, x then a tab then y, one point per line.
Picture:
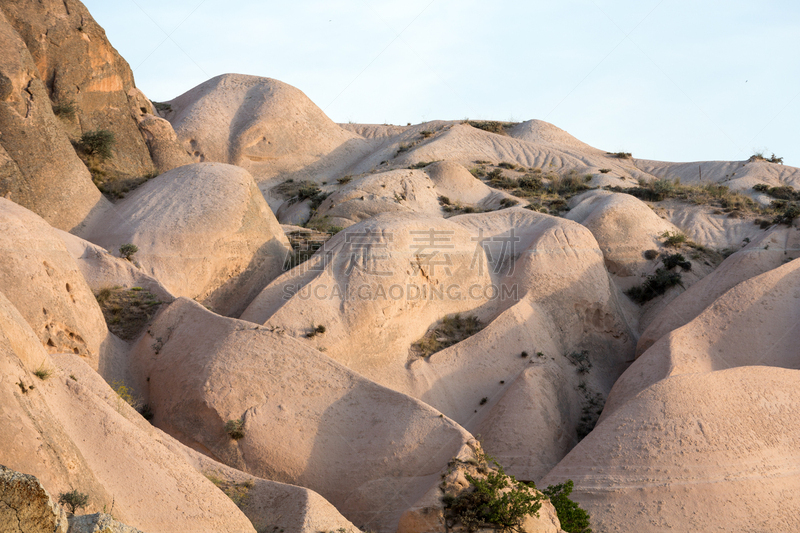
204	231
262	125
26	507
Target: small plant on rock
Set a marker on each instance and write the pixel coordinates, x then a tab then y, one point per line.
98	143
65	110
673	238
655	285
126	251
235	429
43	372
676	260
73	500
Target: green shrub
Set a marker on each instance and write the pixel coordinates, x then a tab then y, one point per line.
620	155
73	500
43	372
673	239
676	260
98	143
478	172
492	126
65	110
530	182
344	180
426	133
509	166
126	251
605	170
573	519
781	193
791	212
162	106
508	202
650	254
498	501
759	156
127	395
452	330
235	429
655	285
581	361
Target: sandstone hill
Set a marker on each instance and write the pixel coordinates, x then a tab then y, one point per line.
245	317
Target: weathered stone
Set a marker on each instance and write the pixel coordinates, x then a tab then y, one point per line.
26	507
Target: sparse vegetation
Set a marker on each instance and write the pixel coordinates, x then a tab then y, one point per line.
299	191
73	500
780	193
316	330
43	372
127	311
113	184
452	330
323	226
492	126
573	519
710	194
98	144
235	429
530	183
673	239
478	172
162	106
420	165
127	251
592	408
344	180
621	155
404	147
605	170
676	260
650	254
65	110
759	156
127	395
790	212
305	244
581	361
457	208
655	285
239	493
426	133
505	203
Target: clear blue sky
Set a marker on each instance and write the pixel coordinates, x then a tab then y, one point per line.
676	80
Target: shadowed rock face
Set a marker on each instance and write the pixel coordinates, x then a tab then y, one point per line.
77	65
38	167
